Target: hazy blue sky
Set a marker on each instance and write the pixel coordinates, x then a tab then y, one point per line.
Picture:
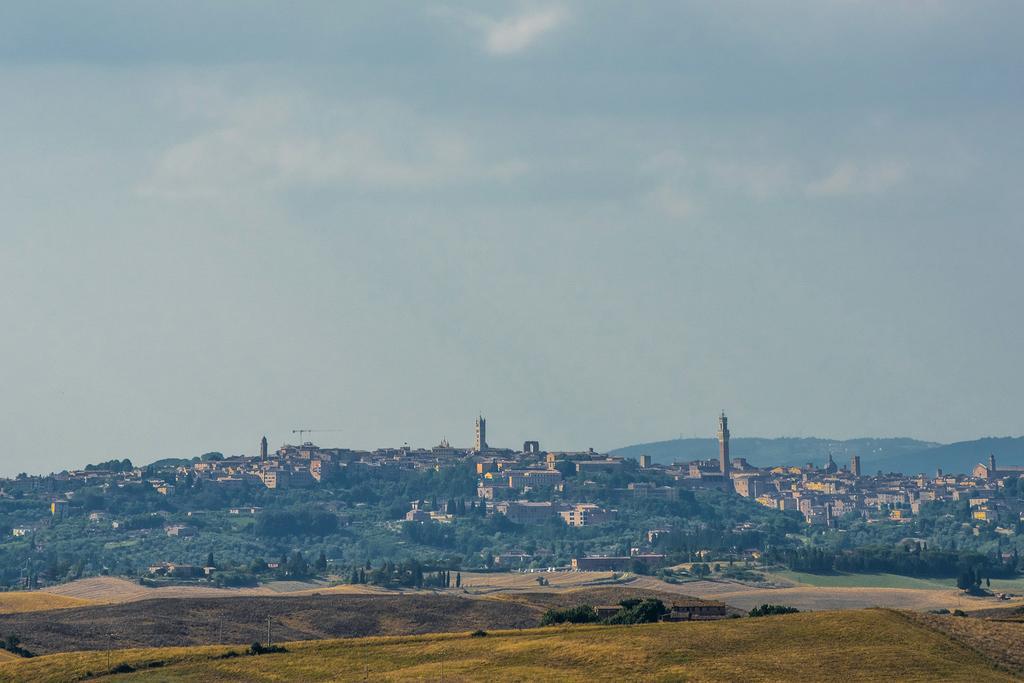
597	223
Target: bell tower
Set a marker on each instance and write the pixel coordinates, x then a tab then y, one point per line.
723	449
481	434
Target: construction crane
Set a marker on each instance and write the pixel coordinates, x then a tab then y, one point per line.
300	432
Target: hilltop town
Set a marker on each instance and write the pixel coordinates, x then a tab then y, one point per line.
363	516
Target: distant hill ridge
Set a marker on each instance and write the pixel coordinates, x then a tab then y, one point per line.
888	454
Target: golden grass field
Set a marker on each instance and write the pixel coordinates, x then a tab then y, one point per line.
486	582
999	641
16	602
854	646
111	589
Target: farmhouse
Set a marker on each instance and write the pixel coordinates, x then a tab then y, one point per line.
179	571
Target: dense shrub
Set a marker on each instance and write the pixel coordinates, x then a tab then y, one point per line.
766	610
581	614
637	611
259	649
12	644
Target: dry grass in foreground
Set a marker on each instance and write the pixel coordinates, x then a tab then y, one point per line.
852	646
1000	641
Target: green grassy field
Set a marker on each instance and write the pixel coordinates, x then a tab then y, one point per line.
853	645
1008	585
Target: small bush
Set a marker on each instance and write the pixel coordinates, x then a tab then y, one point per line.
767	610
479	633
581	614
123	668
959	613
12	644
260	649
941	610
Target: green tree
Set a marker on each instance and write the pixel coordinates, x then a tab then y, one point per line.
639	611
297	565
767	610
581	614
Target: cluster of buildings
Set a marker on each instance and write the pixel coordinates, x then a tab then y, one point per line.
821	494
530	486
824	494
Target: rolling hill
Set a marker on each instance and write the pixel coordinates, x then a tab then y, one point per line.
963	455
855	646
243	619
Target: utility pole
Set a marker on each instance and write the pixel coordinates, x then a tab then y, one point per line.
269	641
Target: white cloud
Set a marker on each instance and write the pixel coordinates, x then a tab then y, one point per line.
515	34
677	184
252	145
672	201
758	179
512	34
850	178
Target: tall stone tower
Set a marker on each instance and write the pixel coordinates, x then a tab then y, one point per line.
723	449
263	448
855	465
481	434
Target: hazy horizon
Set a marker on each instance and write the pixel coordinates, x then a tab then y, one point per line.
596	224
338	441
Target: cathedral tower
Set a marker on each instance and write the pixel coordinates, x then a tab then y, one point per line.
481	434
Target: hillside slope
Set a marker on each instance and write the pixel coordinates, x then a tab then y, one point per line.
963	455
853	646
243	619
195	621
15	602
